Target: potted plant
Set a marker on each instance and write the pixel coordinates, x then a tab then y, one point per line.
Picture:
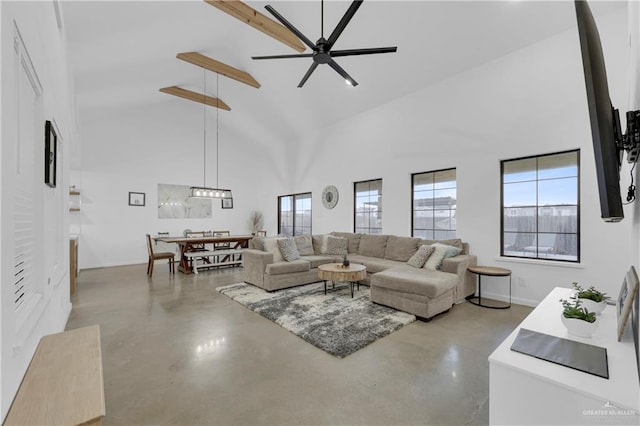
592	299
578	320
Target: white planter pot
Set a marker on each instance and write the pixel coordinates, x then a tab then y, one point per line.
592	306
578	327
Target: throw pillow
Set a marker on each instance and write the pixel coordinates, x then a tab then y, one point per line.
336	245
258	243
420	257
451	250
304	243
271	245
288	249
435	260
354	240
319	243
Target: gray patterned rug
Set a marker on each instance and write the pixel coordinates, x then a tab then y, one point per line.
335	322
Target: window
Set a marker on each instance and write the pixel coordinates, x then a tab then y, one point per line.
540	207
433	204
294	214
368	206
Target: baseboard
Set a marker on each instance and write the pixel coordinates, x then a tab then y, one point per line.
515	300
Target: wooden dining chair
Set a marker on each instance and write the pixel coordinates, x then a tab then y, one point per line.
153	256
197	234
221	246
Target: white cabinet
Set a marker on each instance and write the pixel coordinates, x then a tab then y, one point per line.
528	390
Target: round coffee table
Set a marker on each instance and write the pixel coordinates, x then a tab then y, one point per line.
489	271
337	272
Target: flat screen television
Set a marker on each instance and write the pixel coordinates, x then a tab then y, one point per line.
605	122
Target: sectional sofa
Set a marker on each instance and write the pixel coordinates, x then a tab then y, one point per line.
420	291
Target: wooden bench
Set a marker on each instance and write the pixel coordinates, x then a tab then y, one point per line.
63	384
228	257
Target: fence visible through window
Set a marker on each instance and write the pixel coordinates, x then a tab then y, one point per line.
541	208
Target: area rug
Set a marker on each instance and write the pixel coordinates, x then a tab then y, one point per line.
334	322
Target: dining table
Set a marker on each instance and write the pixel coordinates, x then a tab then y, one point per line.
188	244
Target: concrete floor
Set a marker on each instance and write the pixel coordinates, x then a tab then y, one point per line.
175	351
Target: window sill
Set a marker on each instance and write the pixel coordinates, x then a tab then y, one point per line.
538	262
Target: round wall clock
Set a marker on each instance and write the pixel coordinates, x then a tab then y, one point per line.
330	196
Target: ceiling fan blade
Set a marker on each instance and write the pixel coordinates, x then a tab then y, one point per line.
371	51
342	24
295	55
333	64
310	71
288	24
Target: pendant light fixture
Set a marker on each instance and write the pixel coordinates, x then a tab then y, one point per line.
204	191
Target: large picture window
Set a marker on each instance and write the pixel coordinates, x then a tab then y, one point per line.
433	204
541	207
368	206
294	214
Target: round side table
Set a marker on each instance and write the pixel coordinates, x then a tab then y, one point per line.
489	271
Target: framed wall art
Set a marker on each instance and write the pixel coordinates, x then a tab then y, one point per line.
50	154
625	300
136	199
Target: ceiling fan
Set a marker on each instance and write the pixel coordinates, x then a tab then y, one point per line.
322	53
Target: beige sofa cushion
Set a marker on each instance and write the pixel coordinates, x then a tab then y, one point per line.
317	260
304	243
270	244
455	242
319	243
373	245
354	240
373	264
410	280
279	268
401	248
257	243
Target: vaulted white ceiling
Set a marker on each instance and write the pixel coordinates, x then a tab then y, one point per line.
122	52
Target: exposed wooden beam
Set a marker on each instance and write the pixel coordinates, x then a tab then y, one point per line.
196	97
211	64
257	20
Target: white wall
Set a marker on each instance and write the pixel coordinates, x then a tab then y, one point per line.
135	148
530	102
47	310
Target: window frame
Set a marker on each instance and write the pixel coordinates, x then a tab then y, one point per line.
412	183
294	213
537	207
355	208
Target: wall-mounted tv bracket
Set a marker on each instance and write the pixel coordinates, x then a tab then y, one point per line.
630	141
